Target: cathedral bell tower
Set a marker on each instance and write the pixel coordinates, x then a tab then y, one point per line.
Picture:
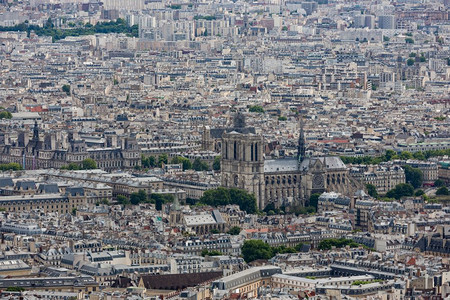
242	163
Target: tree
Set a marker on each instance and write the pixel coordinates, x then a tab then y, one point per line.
235	230
409	41
139	197
419	155
182	160
282	118
256	109
10	167
224	196
160	199
372	190
256	249
419	193
314	200
327	244
401	190
410	62
199	165
413	176
5	115
406	155
439	183
299	247
216	163
162	159
88	164
66	89
121	199
442	191
210	253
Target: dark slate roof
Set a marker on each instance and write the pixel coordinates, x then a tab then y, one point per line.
49	188
178	281
6	182
73	191
26	185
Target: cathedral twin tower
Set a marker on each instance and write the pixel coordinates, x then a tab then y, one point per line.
283	182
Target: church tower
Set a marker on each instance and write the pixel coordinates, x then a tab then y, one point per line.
242	163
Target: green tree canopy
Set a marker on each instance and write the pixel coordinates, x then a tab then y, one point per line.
199	165
314	200
10	167
66	89
88	164
401	190
121	199
162	159
235	230
256	249
5	115
439	183
327	244
182	160
372	190
413	176
160	199
216	163
442	191
139	197
224	196
256	109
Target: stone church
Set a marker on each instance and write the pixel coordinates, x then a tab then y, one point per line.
284	182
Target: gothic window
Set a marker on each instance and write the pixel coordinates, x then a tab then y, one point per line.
226	150
251	159
284	179
243	153
278	179
235	150
256	151
273	180
289	180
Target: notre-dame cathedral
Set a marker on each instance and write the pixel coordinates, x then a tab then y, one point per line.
284	182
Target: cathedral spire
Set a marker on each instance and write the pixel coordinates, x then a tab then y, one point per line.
301	148
36	131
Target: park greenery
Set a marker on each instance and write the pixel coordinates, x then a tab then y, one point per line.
224	196
401	190
216	163
442	191
205	252
327	244
372	190
256	109
361	282
4	114
86	164
235	230
257	249
10	167
49	29
392	155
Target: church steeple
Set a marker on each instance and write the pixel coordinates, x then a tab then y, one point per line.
301	148
36	132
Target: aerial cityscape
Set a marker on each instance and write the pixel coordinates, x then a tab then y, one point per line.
217	149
